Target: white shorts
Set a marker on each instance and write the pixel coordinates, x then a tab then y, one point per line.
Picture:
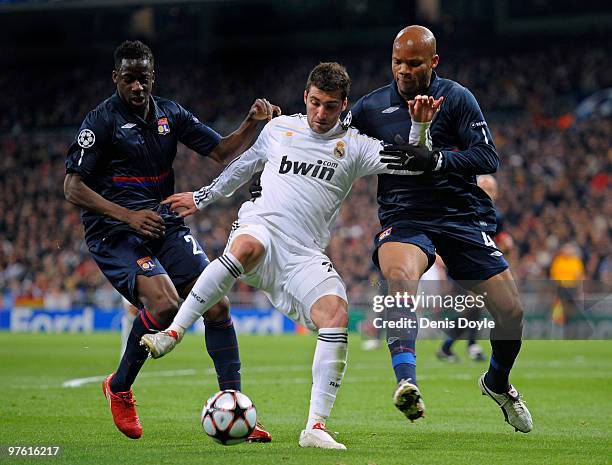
292	276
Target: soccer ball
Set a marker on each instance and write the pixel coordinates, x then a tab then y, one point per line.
229	417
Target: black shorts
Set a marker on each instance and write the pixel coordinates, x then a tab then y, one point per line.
468	252
123	256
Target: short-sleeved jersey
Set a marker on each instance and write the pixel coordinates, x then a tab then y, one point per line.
460	131
567	270
305	177
128	160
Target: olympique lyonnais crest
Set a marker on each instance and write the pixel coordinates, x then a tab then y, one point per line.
146	263
163	127
339	150
385	233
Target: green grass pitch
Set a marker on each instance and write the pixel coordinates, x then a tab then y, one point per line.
567	385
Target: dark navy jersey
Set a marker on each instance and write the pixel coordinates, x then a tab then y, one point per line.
500	220
128	160
459	130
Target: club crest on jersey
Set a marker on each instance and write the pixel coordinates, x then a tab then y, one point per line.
163	127
385	233
86	138
340	149
146	263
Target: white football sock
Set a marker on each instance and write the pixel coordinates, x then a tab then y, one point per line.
214	282
328	369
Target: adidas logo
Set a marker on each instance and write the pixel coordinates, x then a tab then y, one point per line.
322	170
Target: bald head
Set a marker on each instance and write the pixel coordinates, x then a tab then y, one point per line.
416	38
488	184
413	59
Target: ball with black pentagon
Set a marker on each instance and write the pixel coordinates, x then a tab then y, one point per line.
229	417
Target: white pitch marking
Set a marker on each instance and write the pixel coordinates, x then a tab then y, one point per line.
78	382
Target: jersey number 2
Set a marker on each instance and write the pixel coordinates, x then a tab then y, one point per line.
194	244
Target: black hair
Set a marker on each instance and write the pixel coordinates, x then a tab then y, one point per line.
330	77
133	50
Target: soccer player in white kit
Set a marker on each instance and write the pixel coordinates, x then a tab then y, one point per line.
308	164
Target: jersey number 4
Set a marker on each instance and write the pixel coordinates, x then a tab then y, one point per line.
487	240
194	244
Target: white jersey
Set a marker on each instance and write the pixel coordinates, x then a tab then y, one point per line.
305	177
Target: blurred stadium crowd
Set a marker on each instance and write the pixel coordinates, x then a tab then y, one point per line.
554	180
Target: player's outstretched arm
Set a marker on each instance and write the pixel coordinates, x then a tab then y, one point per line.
236	174
181	203
411	159
145	222
238	141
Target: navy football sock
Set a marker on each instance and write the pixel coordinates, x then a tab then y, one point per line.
503	357
472	336
404	366
402	344
473	332
446	347
135	355
222	346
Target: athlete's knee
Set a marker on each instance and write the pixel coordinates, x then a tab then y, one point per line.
163	305
514	312
330	311
218	312
401	274
509	313
247	250
402	264
339	315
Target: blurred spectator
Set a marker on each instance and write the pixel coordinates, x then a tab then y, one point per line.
567	267
567	270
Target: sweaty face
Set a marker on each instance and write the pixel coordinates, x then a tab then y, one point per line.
134	80
411	64
323	108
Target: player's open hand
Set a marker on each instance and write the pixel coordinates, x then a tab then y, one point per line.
181	203
424	107
147	222
264	110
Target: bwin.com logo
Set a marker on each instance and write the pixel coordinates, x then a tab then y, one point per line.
322	170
